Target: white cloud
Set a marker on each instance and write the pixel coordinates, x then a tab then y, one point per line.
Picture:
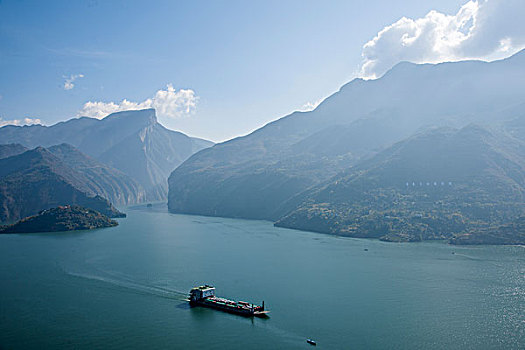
168	103
310	106
481	29
68	84
18	122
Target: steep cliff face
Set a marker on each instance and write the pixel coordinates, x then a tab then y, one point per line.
131	141
150	154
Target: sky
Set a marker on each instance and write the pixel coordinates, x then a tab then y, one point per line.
220	69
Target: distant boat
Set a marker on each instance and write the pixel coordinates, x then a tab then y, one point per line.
205	296
311	342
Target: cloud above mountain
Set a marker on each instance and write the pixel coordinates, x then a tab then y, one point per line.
484	29
19	122
69	83
169	103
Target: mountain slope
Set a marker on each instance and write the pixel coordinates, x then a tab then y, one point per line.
131	141
11	149
100	178
37	180
511	233
254	176
150	154
433	185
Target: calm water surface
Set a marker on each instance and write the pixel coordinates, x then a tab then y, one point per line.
125	287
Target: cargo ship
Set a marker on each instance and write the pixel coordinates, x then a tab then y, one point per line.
205	296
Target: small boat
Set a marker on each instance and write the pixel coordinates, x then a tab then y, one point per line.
311	342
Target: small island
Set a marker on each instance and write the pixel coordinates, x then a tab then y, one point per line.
62	218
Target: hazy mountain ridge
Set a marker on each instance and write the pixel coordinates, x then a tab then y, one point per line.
131	141
256	175
100	178
150	154
37	180
11	149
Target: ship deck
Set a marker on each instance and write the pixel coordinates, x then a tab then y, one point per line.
231	303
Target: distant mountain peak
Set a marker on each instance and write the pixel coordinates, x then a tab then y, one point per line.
474	128
40	152
65	145
133	142
148	115
258	175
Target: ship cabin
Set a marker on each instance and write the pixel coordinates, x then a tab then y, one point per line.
202	292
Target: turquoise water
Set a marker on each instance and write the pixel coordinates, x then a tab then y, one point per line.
125	287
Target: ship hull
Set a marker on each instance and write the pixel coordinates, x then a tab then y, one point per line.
205	296
229	309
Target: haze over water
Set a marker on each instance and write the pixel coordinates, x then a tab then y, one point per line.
125	287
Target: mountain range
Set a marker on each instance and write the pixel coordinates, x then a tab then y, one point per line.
432	151
279	171
37	179
99	178
133	142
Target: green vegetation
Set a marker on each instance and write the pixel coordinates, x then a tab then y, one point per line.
63	218
443	184
511	233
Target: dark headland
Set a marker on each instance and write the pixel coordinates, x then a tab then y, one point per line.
63	218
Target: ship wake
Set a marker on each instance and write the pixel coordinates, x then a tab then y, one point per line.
131	285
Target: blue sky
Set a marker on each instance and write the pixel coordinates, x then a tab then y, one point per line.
249	62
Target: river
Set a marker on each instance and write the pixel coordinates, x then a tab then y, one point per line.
125	287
